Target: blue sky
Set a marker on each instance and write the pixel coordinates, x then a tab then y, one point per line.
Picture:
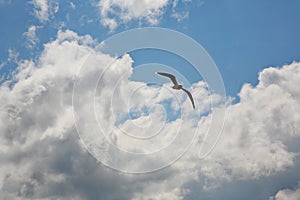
43	112
242	37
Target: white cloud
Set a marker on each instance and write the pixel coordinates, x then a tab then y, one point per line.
45	9
41	156
71	36
180	9
258	128
287	194
13	56
115	12
31	37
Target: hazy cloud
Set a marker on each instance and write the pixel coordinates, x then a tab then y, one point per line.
13	56
2	2
31	37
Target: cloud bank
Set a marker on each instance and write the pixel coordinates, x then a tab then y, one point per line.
42	157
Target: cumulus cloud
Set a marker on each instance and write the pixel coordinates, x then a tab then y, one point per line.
116	12
120	12
125	11
258	129
42	157
45	9
287	194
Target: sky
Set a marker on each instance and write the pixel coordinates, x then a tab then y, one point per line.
84	116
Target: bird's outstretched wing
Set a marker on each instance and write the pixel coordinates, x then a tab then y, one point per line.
191	97
172	77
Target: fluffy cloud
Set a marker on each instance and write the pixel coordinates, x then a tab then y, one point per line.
125	11
259	128
42	157
287	194
44	9
120	12
116	12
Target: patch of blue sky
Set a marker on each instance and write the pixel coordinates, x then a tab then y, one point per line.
162	60
243	37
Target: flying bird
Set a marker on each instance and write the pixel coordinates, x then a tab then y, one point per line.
176	85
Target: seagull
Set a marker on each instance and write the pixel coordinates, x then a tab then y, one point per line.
177	86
